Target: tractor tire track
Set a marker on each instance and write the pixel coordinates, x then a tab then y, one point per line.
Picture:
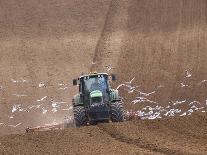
109	44
189	130
141	143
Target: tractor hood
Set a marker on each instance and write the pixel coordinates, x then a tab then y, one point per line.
96	93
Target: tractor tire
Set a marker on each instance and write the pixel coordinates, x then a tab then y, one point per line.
80	116
117	112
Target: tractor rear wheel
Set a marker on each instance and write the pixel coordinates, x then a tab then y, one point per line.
79	116
117	112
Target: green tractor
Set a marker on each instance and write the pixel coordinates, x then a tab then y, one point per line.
96	101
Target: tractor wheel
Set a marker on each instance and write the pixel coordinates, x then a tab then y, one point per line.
117	112
79	116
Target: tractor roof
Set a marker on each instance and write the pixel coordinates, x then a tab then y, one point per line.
93	74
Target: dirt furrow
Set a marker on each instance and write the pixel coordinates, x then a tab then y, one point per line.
139	141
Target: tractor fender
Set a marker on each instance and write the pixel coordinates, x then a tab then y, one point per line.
76	100
114	95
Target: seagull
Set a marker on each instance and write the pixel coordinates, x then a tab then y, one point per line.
194	102
42	99
15	125
19	95
70	108
109	67
184	85
130	82
14	81
202	82
160	86
12	116
120	86
188	74
146	94
2	123
93	63
41	84
37	106
131	90
183	114
142	99
53	102
61	84
54	110
44	111
178	102
16	107
63	88
24	81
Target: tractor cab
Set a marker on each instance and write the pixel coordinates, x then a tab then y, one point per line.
90	84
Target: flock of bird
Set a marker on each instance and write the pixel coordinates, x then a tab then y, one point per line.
148	112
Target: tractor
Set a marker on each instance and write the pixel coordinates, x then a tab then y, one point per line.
96	101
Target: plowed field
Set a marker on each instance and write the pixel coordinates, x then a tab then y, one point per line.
157	49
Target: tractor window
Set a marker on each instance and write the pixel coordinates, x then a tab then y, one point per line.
95	83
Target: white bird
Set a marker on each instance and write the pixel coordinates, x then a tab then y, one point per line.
54	110
61	84
2	123
131	90
203	81
194	102
63	88
142	99
93	63
34	106
12	116
146	94
18	95
120	86
23	80
184	85
109	67
53	102
41	84
183	114
42	99
178	102
70	108
14	126
15	107
130	82
188	74
14	81
44	111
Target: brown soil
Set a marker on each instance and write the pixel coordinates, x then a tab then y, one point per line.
52	42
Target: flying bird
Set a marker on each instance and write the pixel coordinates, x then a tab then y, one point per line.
130	82
188	74
109	67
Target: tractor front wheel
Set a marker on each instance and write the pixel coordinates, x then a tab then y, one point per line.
79	116
117	112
